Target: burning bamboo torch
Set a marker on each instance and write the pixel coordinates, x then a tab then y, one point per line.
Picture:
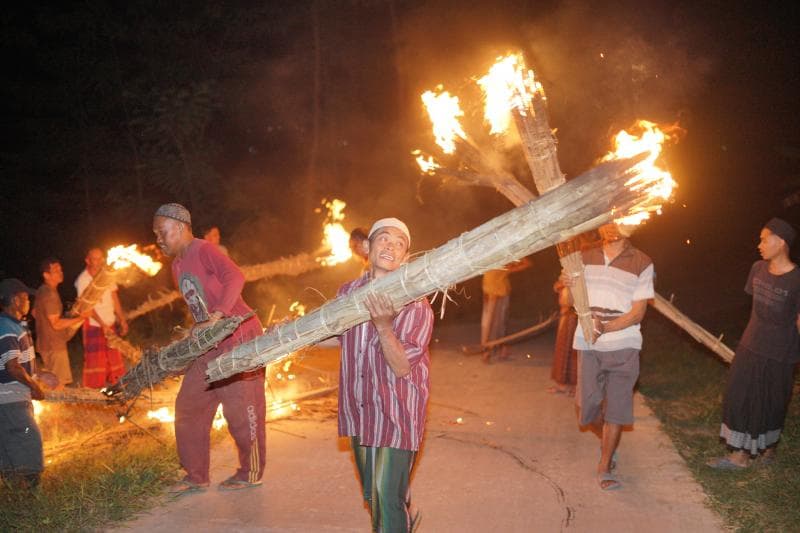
583	203
512	91
118	258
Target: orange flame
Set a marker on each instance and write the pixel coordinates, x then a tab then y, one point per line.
648	175
443	110
508	85
163	415
297	308
122	256
427	165
337	239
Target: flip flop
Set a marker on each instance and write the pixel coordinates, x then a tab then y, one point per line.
723	463
237	484
185	486
608	481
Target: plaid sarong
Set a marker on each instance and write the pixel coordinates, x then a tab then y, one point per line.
102	365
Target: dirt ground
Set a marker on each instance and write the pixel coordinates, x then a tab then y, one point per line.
501	454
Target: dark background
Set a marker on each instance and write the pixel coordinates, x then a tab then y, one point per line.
250	113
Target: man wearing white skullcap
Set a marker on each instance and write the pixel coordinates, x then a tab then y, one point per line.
384	383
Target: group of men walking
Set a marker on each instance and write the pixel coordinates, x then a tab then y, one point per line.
385	362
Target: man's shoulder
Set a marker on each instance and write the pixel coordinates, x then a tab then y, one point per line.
44	293
352	285
8	326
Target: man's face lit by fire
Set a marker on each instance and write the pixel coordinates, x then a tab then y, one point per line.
610	233
94	261
168	233
770	246
388	249
54	275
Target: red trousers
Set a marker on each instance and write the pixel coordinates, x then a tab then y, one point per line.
244	407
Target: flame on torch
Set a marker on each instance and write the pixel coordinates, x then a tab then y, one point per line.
444	110
645	136
298	309
508	85
427	165
336	239
122	256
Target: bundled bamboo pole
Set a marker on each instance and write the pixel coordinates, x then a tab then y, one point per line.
285	266
158	364
577	206
715	344
76	396
94	291
539	146
128	350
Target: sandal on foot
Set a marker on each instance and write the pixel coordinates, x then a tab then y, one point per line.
608	481
723	463
185	486
237	484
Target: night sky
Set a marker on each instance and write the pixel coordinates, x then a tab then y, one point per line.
110	109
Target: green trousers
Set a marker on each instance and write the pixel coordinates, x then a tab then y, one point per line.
385	474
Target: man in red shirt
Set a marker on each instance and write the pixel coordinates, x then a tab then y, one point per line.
211	285
384	383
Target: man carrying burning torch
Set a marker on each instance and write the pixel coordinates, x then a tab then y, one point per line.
384	383
211	285
619	280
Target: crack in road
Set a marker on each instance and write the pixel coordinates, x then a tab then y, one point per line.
561	497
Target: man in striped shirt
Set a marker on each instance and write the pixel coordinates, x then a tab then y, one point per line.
384	383
619	279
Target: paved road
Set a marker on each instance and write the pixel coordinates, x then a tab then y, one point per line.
501	455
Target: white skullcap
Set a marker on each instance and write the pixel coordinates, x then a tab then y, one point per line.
390	223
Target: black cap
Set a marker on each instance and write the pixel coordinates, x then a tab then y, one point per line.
782	229
10	287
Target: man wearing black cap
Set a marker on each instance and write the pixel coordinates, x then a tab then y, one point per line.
211	285
21	458
762	373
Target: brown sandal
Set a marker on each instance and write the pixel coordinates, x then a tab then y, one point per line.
185	486
237	484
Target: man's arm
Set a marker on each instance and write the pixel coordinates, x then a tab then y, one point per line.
16	371
60	323
634	316
382	313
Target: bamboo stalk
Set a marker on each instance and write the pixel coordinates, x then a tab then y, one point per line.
128	350
94	291
81	395
698	333
539	146
577	206
285	266
174	359
535	329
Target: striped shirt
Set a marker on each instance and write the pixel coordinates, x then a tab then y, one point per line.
613	287
384	410
15	343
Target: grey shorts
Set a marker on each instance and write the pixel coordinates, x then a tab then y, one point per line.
607	378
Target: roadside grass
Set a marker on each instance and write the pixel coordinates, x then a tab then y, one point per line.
92	487
683	383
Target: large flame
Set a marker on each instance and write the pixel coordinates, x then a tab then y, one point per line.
508	85
122	256
336	239
644	137
444	110
427	165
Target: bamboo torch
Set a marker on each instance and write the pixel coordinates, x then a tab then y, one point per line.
588	201
509	86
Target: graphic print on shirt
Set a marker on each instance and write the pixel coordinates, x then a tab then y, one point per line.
195	298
